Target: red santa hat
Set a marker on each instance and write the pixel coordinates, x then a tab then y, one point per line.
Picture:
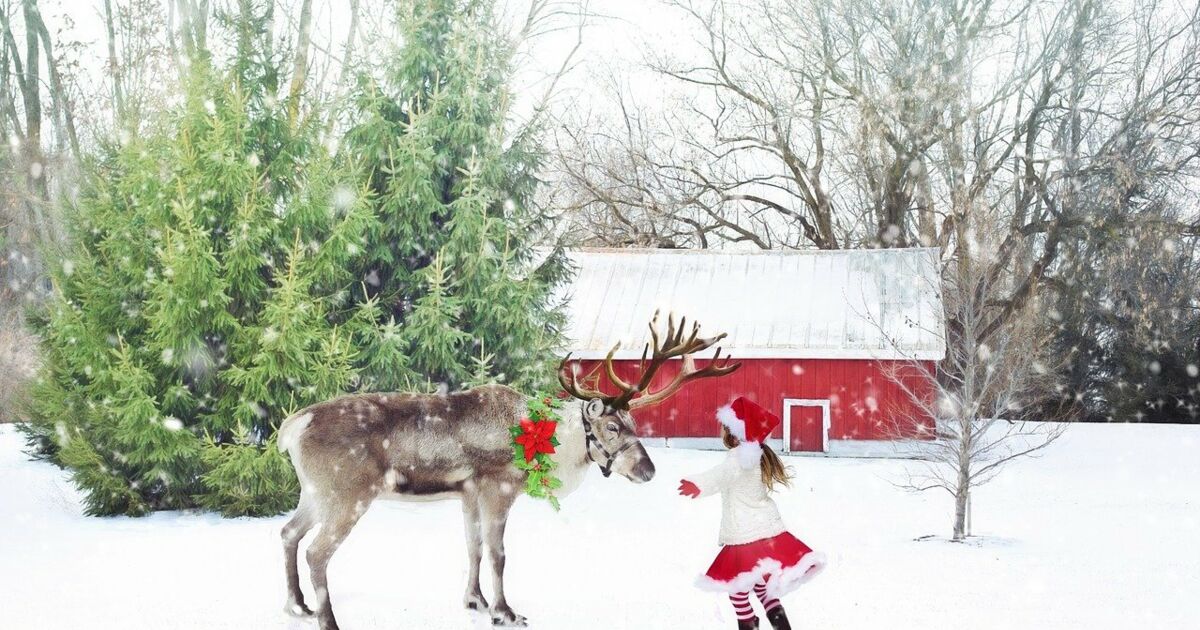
750	424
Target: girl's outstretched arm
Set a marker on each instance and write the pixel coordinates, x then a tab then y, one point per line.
707	483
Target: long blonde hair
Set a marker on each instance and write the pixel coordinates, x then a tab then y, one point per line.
773	470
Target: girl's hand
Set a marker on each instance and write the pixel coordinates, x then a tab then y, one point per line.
688	489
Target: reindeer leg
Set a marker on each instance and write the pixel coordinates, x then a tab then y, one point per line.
474	598
498	497
299	525
338	520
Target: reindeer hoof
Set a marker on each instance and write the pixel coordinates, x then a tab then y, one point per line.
299	610
327	622
476	602
508	618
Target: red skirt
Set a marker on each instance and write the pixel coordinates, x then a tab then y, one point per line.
782	561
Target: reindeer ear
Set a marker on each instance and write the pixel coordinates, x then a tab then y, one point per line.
593	409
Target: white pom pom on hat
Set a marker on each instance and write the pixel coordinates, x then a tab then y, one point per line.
748	454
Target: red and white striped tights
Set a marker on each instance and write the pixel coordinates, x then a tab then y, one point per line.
741	602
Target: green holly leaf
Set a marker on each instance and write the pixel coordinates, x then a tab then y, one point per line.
539	482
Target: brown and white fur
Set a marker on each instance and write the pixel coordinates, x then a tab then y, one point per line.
354	449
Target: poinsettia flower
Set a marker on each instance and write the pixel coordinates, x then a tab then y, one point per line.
535	437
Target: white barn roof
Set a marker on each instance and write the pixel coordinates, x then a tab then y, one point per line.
842	304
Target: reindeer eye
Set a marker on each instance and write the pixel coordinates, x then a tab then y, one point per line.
612	426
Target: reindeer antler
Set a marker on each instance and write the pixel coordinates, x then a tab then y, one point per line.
570	382
671	345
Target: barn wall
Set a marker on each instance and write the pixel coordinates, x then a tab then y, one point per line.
865	401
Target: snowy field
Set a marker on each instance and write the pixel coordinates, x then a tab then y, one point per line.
1102	532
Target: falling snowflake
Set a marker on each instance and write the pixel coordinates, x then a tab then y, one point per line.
343	198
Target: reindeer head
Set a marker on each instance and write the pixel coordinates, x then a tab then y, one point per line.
612	440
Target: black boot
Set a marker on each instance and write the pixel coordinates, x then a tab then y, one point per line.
748	624
778	619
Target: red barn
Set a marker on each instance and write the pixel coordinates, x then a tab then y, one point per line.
825	338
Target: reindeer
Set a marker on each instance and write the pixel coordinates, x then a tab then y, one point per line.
351	450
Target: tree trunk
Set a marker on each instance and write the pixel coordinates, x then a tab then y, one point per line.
350	37
34	160
969	348
926	218
300	63
35	168
897	197
193	29
58	94
114	66
200	27
823	213
171	43
961	497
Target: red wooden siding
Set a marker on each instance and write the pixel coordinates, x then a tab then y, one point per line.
865	401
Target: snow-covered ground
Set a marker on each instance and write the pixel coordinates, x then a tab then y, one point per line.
1102	532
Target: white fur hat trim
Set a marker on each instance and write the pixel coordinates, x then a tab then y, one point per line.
729	419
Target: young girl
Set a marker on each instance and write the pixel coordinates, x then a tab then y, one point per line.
757	551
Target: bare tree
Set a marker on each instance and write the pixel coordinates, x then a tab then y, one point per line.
42	145
138	52
871	123
622	191
976	395
741	152
192	18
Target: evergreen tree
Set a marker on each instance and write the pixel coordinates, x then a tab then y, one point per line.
453	263
206	299
227	270
1125	319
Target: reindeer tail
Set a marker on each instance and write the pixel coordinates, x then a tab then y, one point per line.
292	429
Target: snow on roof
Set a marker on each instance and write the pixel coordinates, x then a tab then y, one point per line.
841	304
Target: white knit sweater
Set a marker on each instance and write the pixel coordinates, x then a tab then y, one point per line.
747	512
